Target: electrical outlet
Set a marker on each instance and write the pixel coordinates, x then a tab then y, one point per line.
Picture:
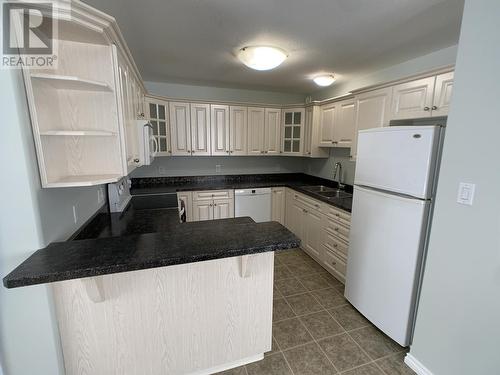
75	215
218	168
162	170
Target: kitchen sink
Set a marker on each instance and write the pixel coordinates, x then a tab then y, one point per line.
335	194
319	188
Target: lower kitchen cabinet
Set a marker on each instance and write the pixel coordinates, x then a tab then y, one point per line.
207	205
312	233
185	202
278	201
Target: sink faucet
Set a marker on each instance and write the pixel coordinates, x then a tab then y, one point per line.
338	170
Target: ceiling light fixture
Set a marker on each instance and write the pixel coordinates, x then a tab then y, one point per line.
262	57
324	80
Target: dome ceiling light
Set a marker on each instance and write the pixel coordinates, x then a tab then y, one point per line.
262	57
324	80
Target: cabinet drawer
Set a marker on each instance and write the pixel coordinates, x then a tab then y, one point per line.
336	229
308	202
340	216
332	242
209	195
334	264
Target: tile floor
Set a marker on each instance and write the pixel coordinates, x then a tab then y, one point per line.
316	331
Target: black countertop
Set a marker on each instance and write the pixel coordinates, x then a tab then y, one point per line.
180	244
296	181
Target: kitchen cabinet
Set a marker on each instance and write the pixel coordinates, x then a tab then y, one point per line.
157	114
180	128
312	232
426	97
311	133
278	204
372	111
200	129
272	131
328	122
220	129
256	126
212	204
238	130
293	131
185	198
338	123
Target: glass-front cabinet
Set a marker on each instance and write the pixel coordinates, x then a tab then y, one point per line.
157	114
293	130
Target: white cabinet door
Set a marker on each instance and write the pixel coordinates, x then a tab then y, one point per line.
180	128
238	130
297	223
412	99
328	122
278	205
223	208
308	127
203	210
272	134
372	111
442	94
200	129
219	122
312	233
293	131
256	125
157	114
344	128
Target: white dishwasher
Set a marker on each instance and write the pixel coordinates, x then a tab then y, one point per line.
255	203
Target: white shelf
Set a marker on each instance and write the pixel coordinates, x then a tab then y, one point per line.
78	133
70	82
84	180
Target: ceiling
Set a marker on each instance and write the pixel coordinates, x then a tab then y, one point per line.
194	41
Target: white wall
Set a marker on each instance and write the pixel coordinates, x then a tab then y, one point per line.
31	217
458	329
422	64
180	91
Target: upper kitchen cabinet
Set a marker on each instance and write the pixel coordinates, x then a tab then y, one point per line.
293	131
311	133
220	129
76	107
327	123
157	114
264	131
200	129
372	111
422	98
338	124
190	129
238	125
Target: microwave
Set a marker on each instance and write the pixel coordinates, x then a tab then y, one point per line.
147	142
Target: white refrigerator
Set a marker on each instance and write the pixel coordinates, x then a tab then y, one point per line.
395	179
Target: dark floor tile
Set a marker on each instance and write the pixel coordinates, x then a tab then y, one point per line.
301	268
394	365
303	303
334	283
234	371
343	352
370	369
374	342
321	325
314	282
349	317
288	287
271	365
282	272
276	293
329	298
281	310
289	333
309	360
274	348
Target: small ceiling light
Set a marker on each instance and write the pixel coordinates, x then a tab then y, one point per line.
324	80
262	57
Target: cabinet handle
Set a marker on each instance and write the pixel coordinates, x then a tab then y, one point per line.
215	204
309	153
316	205
335	245
136	160
228	151
426	108
336	229
434	107
334	263
192	151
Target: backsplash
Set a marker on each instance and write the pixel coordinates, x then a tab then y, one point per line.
324	167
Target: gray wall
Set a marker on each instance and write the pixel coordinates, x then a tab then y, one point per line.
434	60
31	218
324	167
179	91
457	329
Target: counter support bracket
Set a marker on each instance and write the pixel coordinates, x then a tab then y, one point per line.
245	265
95	288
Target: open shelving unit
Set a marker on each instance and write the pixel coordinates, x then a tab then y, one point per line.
60	82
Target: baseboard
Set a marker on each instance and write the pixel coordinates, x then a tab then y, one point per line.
416	366
228	366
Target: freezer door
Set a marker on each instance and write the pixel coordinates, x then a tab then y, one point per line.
383	266
400	159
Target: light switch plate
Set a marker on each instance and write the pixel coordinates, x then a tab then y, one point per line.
466	193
